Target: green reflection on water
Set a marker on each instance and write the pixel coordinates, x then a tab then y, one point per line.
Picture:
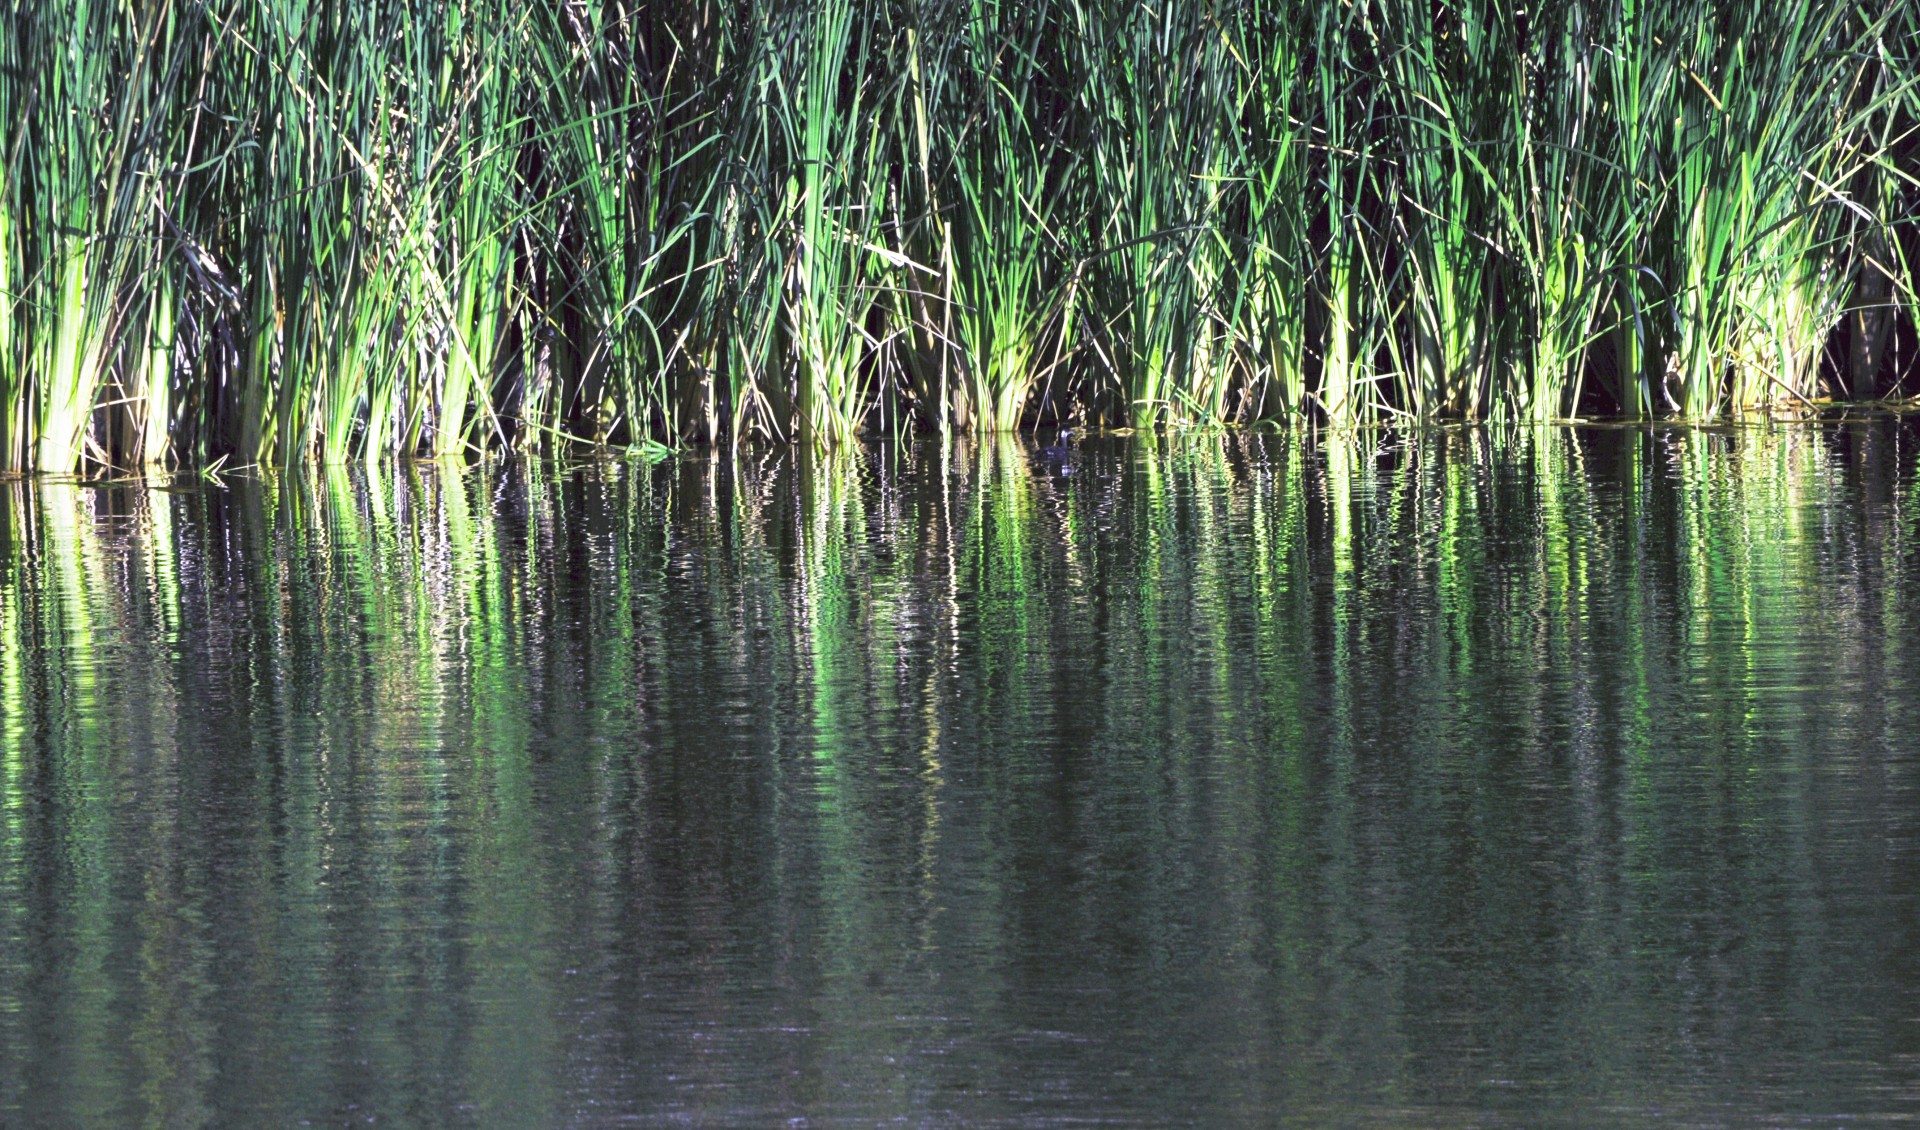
1221	776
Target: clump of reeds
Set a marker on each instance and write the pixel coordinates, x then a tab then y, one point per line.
272	231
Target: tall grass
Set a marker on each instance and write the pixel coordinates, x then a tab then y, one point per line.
1263	236
821	69
87	94
1151	83
981	206
280	231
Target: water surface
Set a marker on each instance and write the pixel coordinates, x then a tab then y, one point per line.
1457	779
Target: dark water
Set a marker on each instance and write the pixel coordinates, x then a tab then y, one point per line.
1553	778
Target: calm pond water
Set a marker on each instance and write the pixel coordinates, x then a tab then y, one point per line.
1462	779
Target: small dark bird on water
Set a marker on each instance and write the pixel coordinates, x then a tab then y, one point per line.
1058	455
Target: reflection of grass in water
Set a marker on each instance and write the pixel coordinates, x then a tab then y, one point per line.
413	648
825	599
76	611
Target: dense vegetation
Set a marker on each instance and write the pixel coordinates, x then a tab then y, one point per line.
267	231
